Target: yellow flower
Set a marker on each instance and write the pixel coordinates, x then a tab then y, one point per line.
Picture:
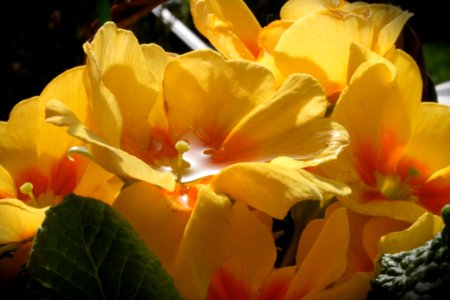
396	163
228	252
170	126
35	169
206	121
312	37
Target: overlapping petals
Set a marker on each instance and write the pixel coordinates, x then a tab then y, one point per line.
227	111
37	167
388	164
311	37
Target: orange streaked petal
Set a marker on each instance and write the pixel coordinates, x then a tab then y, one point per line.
265	140
219	233
112	159
211	101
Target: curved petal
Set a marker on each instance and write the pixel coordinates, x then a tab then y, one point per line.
327	260
423	230
98	183
221	232
7	186
229	25
296	9
156	217
318	44
387	22
112	159
272	188
377	97
356	287
294	112
18	221
369	202
431	134
211	100
375	228
270	35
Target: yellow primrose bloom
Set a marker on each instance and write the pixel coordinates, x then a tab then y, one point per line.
311	37
36	170
228	253
372	236
396	164
206	121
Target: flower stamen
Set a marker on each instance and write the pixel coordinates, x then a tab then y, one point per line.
182	147
27	189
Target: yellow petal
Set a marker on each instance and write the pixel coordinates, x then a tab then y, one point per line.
7	185
327	259
295	112
356	287
296	9
97	183
387	22
423	230
157	219
112	159
218	231
361	201
375	228
18	221
431	135
272	188
318	44
270	35
376	109
229	25
212	100
122	76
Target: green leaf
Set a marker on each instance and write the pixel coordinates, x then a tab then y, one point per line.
87	250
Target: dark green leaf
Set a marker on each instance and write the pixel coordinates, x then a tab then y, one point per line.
87	250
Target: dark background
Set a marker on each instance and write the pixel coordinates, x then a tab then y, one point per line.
41	39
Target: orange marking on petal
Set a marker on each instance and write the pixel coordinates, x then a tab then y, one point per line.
64	175
224	285
36	177
186	194
434	195
366	163
391	150
159	149
4	195
237	149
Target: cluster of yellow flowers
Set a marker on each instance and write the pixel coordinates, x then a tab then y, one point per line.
201	152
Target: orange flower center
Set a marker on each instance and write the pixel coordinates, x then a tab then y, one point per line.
41	189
